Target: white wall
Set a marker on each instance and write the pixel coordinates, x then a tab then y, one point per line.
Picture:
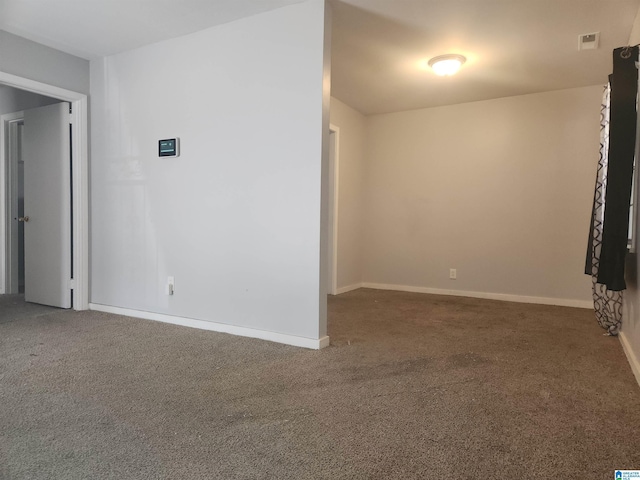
325	172
236	218
634	38
24	58
630	336
500	190
352	168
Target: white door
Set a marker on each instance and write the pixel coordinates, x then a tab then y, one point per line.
46	151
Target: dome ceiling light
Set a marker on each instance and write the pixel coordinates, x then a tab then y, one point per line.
447	65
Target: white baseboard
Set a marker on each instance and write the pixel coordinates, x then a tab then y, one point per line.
631	356
315	344
562	302
348	288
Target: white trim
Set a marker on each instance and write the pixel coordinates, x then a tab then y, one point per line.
562	302
12	167
333	202
21	83
322	342
349	288
315	344
631	356
80	167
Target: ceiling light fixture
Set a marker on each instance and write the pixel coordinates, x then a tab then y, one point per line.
445	65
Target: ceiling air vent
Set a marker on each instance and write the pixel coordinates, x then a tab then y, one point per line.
589	41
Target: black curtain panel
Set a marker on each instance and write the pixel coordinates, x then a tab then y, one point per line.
607	304
621	151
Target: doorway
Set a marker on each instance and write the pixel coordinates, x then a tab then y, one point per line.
332	236
39	246
15	202
78	279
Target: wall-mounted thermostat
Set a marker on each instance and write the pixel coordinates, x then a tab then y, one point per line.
169	147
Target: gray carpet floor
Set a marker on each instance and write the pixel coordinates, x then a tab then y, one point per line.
412	387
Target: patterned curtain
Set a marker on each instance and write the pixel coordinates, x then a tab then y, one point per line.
609	231
607	303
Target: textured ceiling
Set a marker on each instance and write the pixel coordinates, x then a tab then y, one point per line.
514	47
94	28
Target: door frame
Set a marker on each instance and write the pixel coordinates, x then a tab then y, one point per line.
8	138
79	185
334	164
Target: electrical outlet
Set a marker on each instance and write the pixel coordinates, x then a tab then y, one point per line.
171	285
453	274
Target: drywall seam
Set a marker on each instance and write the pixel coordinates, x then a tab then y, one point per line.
216	327
633	360
562	302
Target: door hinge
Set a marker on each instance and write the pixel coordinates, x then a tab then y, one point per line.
72	284
70	107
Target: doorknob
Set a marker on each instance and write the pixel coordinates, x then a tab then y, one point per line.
23	219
